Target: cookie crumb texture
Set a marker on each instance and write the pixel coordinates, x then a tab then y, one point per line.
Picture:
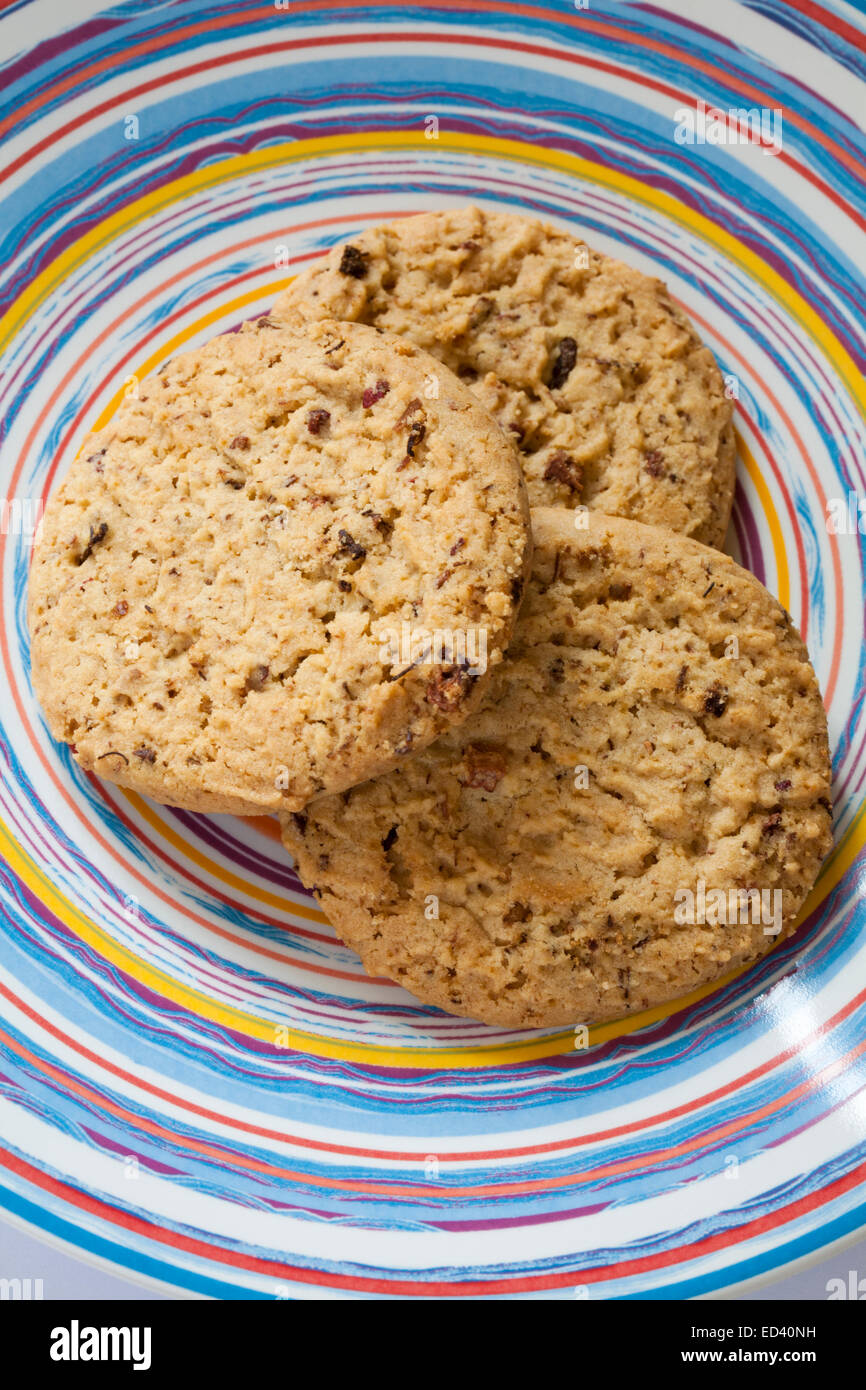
604	386
217	576
619	757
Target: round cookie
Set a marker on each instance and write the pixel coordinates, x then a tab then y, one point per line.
654	727
603	384
226	575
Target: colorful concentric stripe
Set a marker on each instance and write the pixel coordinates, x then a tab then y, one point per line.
198	1081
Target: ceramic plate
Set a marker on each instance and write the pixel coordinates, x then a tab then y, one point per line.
198	1083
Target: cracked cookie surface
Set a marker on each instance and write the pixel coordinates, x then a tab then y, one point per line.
626	750
219	577
601	381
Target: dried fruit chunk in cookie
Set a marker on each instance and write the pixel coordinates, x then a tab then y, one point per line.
231	575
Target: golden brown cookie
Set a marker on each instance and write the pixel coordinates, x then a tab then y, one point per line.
603	384
653	743
225	579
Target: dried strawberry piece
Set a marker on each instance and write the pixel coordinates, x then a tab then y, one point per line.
449	688
716	701
353	262
317	420
97	535
350	547
562	468
412	409
416	434
380	522
375	393
486	767
563	362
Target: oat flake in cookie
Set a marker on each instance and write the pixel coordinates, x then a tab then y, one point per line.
620	758
214	597
603	384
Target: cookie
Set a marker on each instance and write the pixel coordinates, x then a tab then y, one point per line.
603	384
654	742
230	576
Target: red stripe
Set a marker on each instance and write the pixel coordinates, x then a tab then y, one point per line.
425	1288
831	21
386	1188
408	1155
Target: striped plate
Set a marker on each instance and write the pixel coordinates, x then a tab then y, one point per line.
198	1084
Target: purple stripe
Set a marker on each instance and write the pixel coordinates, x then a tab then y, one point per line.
238	854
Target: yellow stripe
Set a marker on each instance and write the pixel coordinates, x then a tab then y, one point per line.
110	950
115	226
783	577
